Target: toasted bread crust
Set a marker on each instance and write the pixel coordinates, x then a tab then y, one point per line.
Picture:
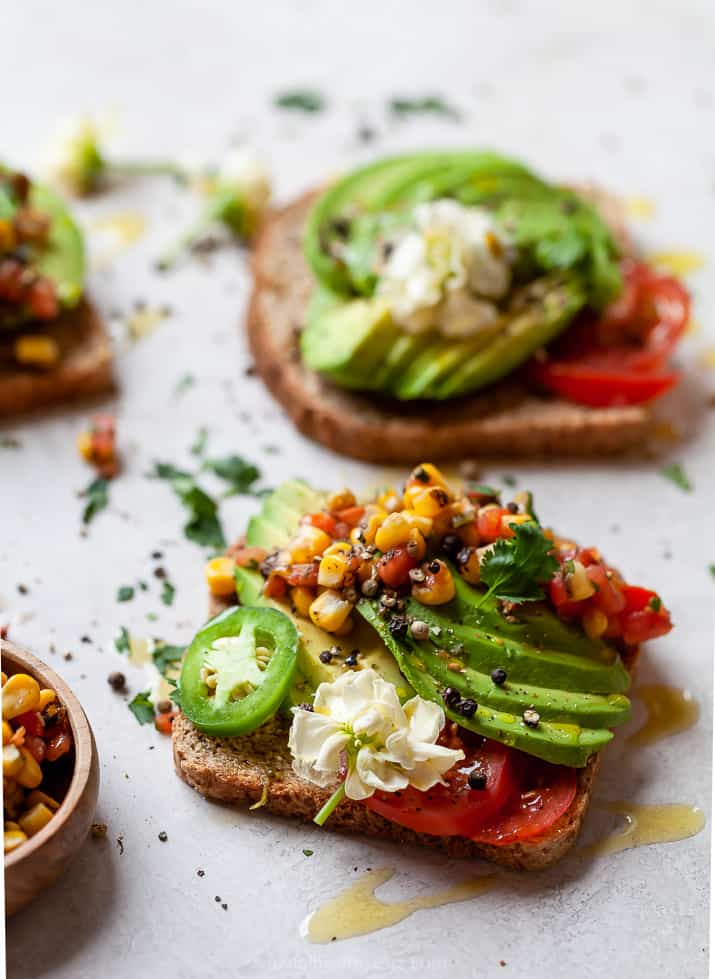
507	419
84	368
237	771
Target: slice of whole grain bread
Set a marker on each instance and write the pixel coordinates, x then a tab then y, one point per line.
506	419
238	771
84	368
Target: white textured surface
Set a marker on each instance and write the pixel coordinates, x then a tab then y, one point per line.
618	92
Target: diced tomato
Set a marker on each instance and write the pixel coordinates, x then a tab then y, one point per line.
342	530
36	746
619	356
645	617
456	809
249	556
489	523
42	299
395	566
59	744
608	598
305	575
637	598
560	598
325	521
32	721
547	792
275	586
351	515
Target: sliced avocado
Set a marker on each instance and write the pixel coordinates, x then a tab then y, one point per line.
315	641
280	515
557	741
526	331
262	533
62	259
399	356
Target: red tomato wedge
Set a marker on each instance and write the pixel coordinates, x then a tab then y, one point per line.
549	791
619	357
456	809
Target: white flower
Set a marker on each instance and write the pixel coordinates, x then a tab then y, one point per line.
358	720
443	271
76	159
243	173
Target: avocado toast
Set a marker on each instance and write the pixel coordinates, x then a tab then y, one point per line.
53	345
426	611
421	306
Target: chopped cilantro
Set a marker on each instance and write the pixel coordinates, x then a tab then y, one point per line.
165	656
142	708
239	474
301	100
167	593
184	383
121	642
203	526
513	568
151	617
676	474
308	853
199	445
509	480
10	442
125	593
427	105
655	603
97	496
711	569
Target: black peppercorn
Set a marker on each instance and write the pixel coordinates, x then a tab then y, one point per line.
434	567
467	707
326	656
398	626
499	676
450	696
352	658
477	780
451	545
117	681
531	717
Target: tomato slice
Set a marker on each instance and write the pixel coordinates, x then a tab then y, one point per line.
549	791
456	809
395	566
619	356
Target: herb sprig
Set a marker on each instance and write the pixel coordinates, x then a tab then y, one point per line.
514	567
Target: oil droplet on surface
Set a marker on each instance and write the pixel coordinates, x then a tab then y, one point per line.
357	911
678	262
670	711
144	321
645	825
640	208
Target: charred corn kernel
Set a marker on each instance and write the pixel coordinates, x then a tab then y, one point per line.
426	475
7	732
594	623
308	543
427	502
330	610
37	350
30	775
468	533
416	545
13	839
333	569
346	628
395	529
46	697
389	500
438	586
10	825
369	525
12	760
35	819
219	576
578	584
340	500
85	447
8	237
468	563
19	694
302	599
36	796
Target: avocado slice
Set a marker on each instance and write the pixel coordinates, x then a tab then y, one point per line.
280	515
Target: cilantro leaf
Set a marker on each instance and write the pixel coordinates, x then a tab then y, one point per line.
199	445
240	475
513	568
711	568
676	474
167	592
97	496
166	470
165	656
426	105
125	593
121	642
203	526
302	100
142	708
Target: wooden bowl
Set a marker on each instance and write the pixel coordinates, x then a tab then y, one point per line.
38	862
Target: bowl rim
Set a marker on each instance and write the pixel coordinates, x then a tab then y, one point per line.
22	660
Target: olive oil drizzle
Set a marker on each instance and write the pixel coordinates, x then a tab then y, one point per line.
645	825
357	911
670	711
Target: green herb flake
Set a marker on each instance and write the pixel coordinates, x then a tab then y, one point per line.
426	105
308	853
203	526
167	593
125	593
184	384
300	100
122	641
711	569
513	568
509	480
199	445
655	603
10	442
165	656
97	496
142	708
239	474
676	474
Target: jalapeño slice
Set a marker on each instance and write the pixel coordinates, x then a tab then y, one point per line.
238	670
